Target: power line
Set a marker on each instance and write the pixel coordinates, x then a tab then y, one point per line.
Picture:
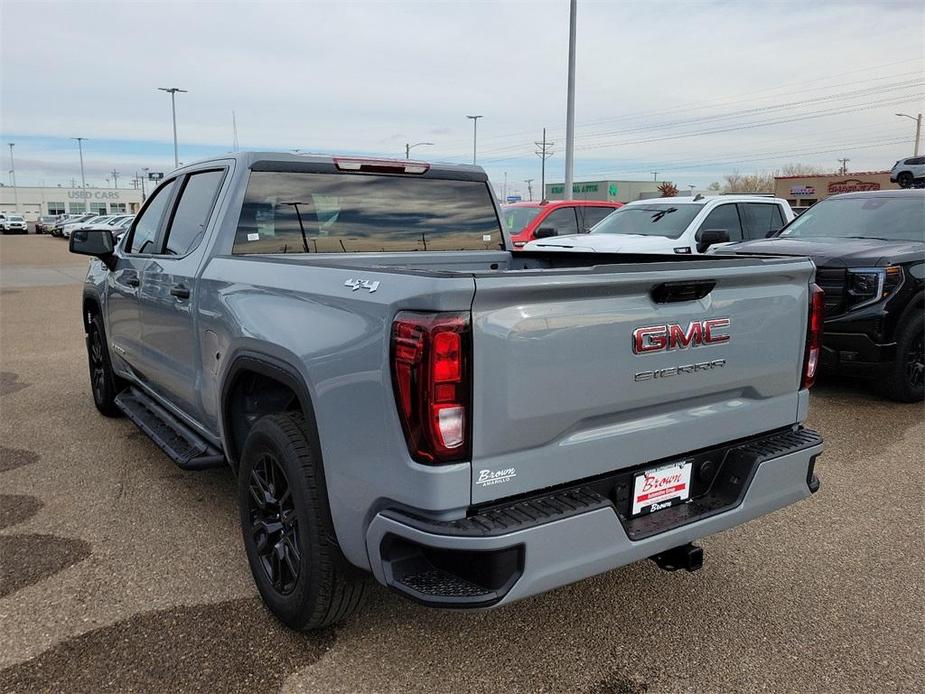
747	97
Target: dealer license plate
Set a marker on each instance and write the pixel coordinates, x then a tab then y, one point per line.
661	487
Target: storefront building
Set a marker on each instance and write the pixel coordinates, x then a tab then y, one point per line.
608	191
33	203
803	191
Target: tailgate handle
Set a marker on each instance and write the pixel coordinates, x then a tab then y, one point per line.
670	292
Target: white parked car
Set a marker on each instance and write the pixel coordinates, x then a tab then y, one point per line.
92	222
13	224
677	225
907	172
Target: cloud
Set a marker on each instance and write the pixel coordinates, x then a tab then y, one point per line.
370	76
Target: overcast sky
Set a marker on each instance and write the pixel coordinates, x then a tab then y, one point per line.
689	89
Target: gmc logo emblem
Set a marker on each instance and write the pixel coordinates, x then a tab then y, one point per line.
661	338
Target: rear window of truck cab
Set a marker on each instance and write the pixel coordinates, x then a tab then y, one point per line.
295	212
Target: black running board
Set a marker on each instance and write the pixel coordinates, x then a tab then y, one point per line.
184	447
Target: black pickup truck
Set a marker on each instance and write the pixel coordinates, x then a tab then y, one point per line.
869	250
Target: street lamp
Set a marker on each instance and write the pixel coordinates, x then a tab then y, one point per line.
83	181
918	130
13	177
173	109
475	132
408	147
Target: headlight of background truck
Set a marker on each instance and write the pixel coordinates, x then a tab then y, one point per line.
870	285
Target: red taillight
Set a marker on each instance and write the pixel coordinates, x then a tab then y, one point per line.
813	335
430	374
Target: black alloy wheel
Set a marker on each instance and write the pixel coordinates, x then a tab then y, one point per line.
97	365
104	384
905	179
915	362
274	524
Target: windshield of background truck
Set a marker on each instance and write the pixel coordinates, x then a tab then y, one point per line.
516	218
888	218
287	212
655	219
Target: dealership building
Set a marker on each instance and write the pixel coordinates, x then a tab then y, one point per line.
33	203
607	191
803	191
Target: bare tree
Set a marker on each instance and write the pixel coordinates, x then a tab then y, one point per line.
800	170
763	182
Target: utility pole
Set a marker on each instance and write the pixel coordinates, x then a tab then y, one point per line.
543	153
570	103
654	176
844	166
234	127
115	178
529	182
144	175
409	147
173	109
918	130
83	180
504	189
13	178
475	133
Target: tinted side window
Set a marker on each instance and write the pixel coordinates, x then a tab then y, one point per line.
149	222
760	219
724	217
592	215
562	220
193	212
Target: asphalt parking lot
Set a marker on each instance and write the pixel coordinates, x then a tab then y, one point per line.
120	572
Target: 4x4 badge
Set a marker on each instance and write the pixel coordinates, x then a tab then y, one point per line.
371	285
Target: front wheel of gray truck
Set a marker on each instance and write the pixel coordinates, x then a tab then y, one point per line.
288	534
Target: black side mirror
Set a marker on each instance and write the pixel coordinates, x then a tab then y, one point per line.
708	237
96	242
545	232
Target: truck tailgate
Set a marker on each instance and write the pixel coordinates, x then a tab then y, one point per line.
560	394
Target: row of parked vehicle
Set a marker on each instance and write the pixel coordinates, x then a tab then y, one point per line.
868	249
64	225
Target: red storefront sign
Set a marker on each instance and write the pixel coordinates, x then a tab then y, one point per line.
852	185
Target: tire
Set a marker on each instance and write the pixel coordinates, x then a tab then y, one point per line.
300	572
905	179
104	384
905	380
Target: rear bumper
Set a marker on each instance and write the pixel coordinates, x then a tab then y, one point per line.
539	543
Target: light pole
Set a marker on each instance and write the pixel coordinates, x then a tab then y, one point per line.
408	147
83	181
173	109
570	103
475	134
654	176
918	130
13	178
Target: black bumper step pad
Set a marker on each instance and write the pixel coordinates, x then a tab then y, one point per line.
184	447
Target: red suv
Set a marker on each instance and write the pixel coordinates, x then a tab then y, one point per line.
526	221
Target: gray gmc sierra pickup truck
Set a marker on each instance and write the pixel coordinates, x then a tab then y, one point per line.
399	394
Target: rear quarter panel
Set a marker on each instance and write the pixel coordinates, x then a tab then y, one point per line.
337	340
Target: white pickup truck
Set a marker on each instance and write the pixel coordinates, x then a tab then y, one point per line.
677	225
